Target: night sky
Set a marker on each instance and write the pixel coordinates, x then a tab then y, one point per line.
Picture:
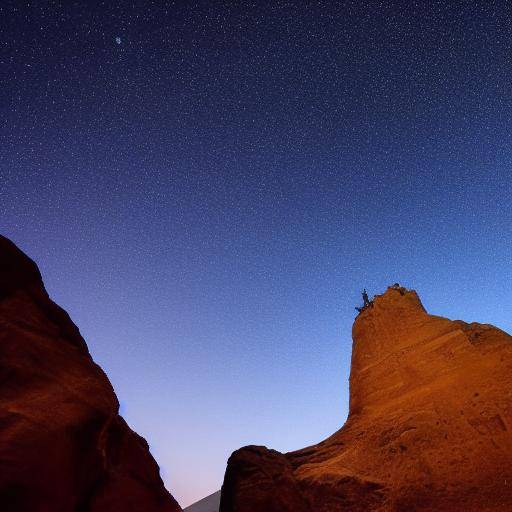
207	188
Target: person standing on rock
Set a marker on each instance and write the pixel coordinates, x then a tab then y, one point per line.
366	300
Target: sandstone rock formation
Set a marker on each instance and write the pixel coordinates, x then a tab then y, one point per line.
63	445
429	426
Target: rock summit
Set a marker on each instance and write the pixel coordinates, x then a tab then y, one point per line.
429	425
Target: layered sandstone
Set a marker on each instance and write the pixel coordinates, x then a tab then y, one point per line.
429	426
63	445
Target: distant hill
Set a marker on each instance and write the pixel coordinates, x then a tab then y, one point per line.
209	504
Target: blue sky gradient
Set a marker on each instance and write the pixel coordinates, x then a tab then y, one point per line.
208	197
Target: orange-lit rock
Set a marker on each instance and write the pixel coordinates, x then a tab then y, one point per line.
429	427
63	445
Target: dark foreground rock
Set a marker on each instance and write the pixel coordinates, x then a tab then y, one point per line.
429	426
63	445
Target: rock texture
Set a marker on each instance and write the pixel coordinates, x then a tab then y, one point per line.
63	445
429	426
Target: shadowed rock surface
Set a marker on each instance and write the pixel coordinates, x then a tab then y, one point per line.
429	426
63	445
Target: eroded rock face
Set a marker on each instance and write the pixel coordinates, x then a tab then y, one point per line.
429	427
63	445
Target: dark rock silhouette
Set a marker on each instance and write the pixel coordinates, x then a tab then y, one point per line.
63	445
429	426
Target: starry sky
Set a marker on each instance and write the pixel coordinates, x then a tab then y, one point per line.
207	187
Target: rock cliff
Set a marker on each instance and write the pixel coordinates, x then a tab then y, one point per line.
63	445
429	426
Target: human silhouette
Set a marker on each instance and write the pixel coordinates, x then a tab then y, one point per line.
366	300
